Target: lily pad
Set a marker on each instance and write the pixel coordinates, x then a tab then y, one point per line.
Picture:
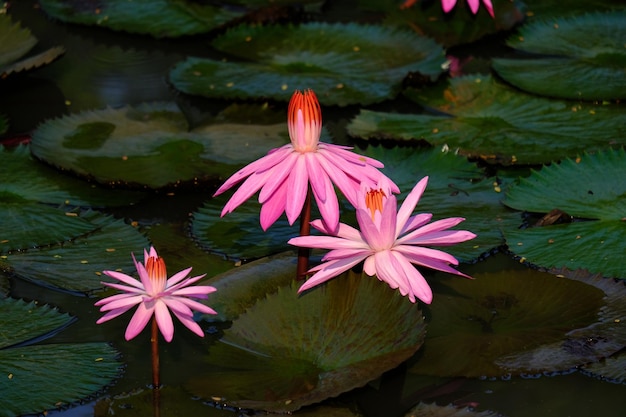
159	18
347	63
76	265
475	323
288	351
590	187
589	67
25	179
15	43
150	145
610	370
31	381
456	188
497	124
434	410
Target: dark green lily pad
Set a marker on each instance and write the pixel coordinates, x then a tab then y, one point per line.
434	410
25	179
495	123
589	67
459	26
542	8
590	187
15	43
589	344
159	18
345	63
76	265
610	370
42	377
456	188
287	351
475	323
150	145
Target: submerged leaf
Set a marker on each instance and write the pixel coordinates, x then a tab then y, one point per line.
495	123
347	63
589	67
590	187
290	350
475	323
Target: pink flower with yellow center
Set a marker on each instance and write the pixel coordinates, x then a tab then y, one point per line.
284	174
388	241
155	294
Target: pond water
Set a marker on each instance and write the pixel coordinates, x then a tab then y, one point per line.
102	68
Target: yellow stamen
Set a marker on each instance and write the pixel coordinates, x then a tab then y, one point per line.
374	201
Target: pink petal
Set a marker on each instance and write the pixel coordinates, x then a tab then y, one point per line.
177	277
112	298
328	207
407	207
474	4
122	302
447	5
279	174
184	305
329	270
164	320
415	222
297	188
317	176
195	291
245	191
435	226
138	321
273	207
326	242
347	184
111	315
370	232
346	253
145	279
419	285
388	270
444	238
127	279
189	323
420	252
125	288
388	223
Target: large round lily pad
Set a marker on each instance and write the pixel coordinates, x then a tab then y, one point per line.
290	350
345	63
475	323
486	119
591	189
150	145
589	67
42	377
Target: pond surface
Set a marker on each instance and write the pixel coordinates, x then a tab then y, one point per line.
101	68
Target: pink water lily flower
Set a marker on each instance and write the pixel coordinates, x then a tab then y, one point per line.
156	295
448	5
284	174
389	242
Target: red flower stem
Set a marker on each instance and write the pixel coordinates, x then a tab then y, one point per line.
305	230
154	340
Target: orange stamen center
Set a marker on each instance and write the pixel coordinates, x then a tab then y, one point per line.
155	266
374	201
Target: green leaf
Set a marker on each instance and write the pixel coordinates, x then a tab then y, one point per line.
15	41
589	67
586	191
477	322
41	377
150	145
346	63
288	351
456	188
77	265
498	124
159	18
25	179
34	61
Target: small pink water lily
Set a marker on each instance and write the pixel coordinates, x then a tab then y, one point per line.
448	5
284	174
389	242
155	294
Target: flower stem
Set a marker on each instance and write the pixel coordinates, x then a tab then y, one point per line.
154	340
305	230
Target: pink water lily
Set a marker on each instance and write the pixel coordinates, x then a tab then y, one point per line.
448	5
284	174
154	294
389	242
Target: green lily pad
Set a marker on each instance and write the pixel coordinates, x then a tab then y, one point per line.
589	67
287	351
459	26
150	145
41	377
590	187
497	124
542	8
475	323
15	43
159	18
609	370
25	179
76	265
346	63
456	188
